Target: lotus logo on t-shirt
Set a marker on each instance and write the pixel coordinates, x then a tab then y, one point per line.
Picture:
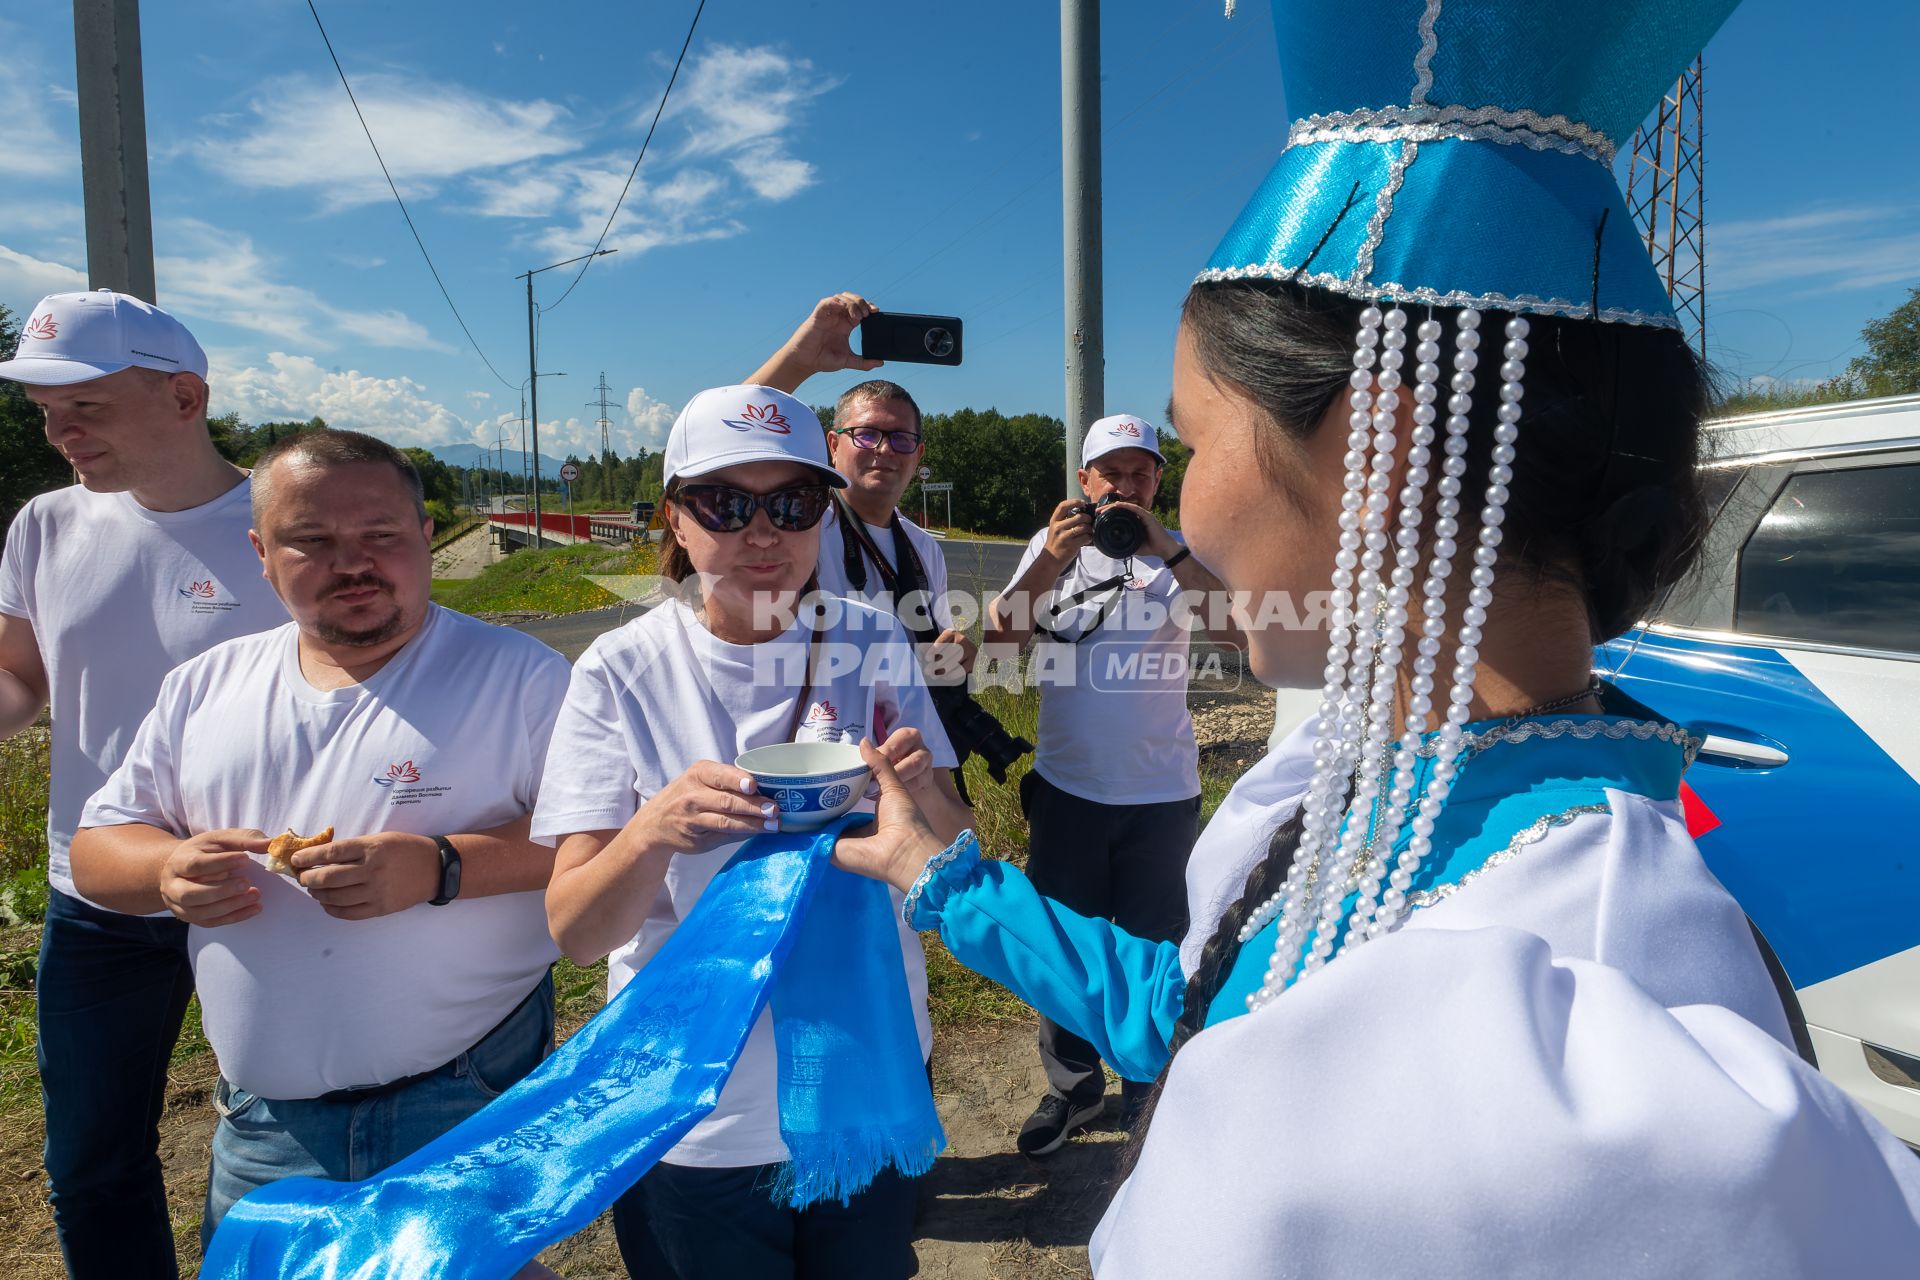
203	596
822	711
402	784
765	417
402	772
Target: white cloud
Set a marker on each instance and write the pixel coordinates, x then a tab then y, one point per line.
219	275
296	388
24	280
1820	250
651	419
40	141
727	143
304	134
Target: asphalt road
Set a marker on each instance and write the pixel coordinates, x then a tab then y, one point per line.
978	568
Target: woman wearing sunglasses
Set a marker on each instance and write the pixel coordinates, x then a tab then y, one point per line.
645	806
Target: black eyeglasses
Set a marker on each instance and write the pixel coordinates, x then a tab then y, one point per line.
871	438
721	508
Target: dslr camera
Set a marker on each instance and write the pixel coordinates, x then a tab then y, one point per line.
1117	532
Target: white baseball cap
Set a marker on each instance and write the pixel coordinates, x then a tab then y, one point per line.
1121	431
76	337
724	426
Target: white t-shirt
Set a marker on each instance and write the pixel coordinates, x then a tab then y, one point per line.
1114	726
450	736
118	596
649	700
833	564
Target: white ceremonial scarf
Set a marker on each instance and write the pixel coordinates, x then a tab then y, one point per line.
1464	1103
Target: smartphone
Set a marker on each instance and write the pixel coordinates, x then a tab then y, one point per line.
895	335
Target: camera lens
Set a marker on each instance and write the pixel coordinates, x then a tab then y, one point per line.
1118	532
938	342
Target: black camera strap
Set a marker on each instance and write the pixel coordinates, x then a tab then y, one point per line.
858	547
1108	607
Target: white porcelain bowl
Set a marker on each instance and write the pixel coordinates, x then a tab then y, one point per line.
812	782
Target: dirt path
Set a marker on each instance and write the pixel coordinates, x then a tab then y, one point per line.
466	555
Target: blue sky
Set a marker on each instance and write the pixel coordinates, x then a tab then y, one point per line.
907	151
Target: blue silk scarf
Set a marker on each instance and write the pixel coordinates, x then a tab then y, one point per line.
542	1160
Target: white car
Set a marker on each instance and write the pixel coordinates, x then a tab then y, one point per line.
1795	654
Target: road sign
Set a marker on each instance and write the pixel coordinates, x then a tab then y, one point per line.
569	473
943	486
926	472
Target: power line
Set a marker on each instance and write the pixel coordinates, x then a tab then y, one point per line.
402	203
687	43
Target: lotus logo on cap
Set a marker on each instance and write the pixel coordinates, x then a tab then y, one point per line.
42	327
768	418
1126	429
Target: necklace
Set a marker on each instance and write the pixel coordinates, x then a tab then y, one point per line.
1590	690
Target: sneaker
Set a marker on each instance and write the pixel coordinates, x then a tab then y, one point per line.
1053	1122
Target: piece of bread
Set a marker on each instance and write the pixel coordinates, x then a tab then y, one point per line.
291	842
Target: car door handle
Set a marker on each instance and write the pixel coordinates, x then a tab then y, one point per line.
1737	753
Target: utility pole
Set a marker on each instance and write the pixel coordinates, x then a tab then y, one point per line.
533	378
113	146
606	423
1080	191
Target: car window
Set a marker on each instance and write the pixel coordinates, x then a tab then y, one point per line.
1836	560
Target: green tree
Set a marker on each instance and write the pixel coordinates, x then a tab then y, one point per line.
1007	473
28	464
1891	365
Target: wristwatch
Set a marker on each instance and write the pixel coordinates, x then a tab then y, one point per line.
449	873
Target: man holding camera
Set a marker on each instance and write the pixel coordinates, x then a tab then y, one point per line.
1113	799
868	548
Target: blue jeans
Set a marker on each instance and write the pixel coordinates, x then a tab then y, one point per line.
261	1140
110	993
685	1223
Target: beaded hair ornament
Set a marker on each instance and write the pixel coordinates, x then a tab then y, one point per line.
1456	154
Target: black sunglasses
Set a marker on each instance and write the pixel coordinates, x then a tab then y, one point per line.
721	508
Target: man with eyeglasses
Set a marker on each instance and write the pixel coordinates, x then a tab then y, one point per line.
869	549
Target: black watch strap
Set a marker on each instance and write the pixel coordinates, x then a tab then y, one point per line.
1177	557
449	873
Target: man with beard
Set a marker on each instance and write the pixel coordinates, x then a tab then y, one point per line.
393	978
106	585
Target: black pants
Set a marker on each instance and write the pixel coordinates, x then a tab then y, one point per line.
683	1223
112	990
1121	862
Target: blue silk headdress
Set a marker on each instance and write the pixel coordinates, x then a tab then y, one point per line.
1445	157
1459	152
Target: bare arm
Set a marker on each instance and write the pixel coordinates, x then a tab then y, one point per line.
604	881
1010	618
822	344
141	869
23	676
359	877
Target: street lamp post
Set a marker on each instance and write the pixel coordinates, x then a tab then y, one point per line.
533	377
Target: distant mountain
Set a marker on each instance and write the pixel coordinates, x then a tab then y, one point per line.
472	455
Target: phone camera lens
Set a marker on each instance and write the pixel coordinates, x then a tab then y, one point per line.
938	342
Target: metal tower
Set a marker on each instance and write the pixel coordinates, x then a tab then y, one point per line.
1666	193
606	423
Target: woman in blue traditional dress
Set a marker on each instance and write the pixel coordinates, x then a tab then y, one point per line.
1460	997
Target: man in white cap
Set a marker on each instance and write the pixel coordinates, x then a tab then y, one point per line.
104	587
1113	799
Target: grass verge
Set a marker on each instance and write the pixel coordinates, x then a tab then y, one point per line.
544	580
